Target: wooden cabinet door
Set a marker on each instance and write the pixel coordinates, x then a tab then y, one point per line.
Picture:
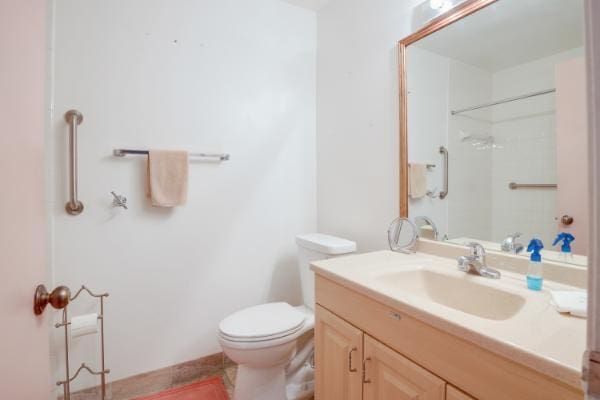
453	393
390	376
338	358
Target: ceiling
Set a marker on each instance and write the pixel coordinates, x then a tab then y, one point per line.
511	32
315	5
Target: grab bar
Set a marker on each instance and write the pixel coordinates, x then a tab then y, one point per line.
444	152
514	186
73	118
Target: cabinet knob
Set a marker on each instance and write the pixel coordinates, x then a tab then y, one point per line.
566	219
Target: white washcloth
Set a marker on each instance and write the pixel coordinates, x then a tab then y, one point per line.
417	185
573	302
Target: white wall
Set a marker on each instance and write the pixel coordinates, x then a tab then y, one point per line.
436	85
357	117
427	107
469	195
208	75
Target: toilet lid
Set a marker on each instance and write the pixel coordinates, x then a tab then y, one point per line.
262	322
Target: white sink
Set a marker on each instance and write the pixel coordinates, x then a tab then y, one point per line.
460	293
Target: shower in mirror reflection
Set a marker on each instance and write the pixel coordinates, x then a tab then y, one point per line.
503	90
508	106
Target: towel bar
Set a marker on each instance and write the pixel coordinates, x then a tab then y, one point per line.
444	153
124	152
514	186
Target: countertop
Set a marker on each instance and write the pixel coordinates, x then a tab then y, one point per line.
536	336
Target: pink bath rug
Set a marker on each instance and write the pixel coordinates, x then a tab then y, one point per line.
209	389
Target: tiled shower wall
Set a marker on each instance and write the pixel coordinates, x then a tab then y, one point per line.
526	135
469	210
480	204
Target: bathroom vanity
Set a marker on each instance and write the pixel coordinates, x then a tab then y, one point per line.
493	141
397	326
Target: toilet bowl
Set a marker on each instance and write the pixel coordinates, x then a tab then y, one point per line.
262	340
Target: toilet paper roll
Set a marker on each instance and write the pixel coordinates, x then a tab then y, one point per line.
84	325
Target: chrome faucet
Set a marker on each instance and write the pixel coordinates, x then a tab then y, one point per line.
475	262
510	244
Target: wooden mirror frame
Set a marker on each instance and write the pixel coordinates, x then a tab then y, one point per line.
459	12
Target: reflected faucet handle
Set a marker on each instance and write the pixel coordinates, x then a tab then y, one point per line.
510	243
476	250
119	201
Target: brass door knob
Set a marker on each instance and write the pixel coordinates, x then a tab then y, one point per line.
58	298
566	220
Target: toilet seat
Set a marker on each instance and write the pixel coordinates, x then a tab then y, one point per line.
265	322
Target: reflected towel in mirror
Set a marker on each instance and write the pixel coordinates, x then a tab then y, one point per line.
417	177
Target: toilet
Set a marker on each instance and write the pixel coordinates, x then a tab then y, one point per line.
262	339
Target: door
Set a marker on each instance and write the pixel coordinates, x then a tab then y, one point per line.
338	357
390	376
572	152
24	342
591	362
453	393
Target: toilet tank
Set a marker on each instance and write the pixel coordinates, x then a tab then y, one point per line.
314	247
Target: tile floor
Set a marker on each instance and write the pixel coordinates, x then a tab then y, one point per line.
216	365
147	383
228	376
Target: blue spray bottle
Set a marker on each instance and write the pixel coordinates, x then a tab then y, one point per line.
534	274
565	248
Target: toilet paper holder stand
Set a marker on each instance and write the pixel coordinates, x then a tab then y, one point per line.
60	298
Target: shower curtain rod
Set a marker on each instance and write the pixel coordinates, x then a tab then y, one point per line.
507	100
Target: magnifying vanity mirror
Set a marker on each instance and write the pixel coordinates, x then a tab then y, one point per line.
494	117
402	235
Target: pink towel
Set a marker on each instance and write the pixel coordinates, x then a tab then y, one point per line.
167	177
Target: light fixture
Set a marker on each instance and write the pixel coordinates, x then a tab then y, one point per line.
440	5
430	9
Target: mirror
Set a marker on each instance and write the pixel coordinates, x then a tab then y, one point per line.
494	134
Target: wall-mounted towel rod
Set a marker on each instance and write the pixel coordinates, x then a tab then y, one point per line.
514	186
444	153
507	100
430	166
124	152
